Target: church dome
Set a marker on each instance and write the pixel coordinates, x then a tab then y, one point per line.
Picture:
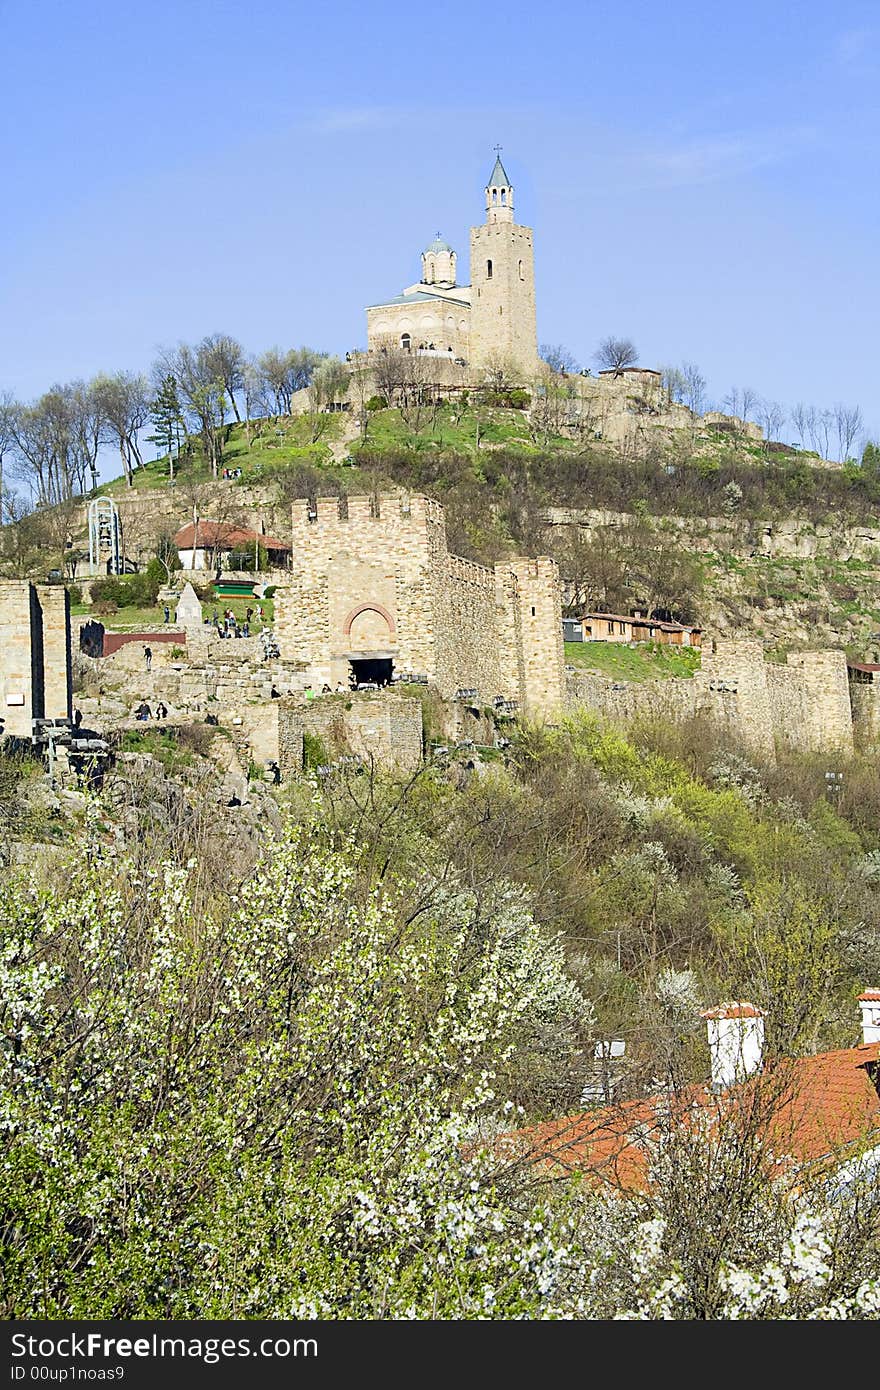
437	245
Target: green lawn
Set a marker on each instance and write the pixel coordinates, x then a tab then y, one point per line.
151	619
648	661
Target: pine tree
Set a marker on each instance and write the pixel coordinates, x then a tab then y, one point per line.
166	414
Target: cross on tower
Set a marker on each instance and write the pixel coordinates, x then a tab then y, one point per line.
498	149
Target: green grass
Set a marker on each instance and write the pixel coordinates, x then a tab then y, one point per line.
454	428
151	619
161	743
648	661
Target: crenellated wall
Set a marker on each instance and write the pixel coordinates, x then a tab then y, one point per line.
374	579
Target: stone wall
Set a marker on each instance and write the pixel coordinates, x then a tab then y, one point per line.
35	656
803	705
865	701
810	699
384	729
377	581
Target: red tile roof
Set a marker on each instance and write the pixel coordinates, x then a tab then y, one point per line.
734	1009
870	996
223	534
815	1107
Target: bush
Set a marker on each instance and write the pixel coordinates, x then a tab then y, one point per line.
314	751
377	403
105	607
110	590
76	593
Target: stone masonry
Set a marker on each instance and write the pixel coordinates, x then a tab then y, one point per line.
378	583
803	705
35	660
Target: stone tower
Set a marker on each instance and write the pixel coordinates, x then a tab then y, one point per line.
503	323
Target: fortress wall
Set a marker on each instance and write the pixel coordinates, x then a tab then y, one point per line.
811	702
465	621
804	705
865	703
539	638
381	728
739	665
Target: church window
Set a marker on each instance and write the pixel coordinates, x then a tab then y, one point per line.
488	270
405	341
521	275
494	195
503	196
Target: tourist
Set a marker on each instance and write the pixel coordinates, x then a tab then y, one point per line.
249	613
161	711
166	614
143	711
148	658
245	630
77	718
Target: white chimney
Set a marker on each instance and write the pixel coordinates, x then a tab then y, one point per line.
736	1042
869	1003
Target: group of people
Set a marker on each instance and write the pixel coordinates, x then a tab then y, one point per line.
229	626
229	473
143	711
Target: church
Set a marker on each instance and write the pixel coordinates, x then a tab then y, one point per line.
488	322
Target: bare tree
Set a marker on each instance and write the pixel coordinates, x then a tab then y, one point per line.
45	447
849	425
8	412
613	354
123	401
404	379
694	396
771	418
801	418
558	358
329	385
224	361
673	383
202	395
741	402
285	373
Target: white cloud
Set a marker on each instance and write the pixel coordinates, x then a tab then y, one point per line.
720	157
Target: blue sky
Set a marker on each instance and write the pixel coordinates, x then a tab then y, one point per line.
701	177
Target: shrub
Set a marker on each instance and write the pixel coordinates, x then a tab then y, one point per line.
314	751
105	607
76	593
377	403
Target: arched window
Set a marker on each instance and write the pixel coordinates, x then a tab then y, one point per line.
494	195
503	196
405	341
521	276
488	270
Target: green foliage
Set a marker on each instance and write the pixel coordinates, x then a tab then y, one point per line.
315	752
129	591
377	403
76	593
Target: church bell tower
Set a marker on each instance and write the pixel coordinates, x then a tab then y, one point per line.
503	321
